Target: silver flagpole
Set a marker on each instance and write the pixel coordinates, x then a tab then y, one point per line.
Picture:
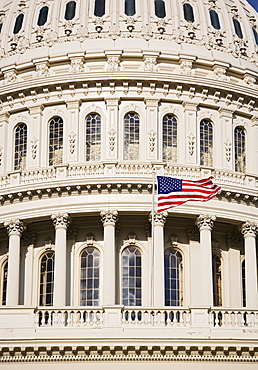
152	235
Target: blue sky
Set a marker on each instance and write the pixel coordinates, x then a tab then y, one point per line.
254	3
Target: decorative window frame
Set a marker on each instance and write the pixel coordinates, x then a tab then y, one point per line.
211	119
162	115
219	253
65	144
13	146
243	126
3	261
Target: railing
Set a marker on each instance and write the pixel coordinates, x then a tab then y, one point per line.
85	170
230	318
30	177
155	317
75	317
134	169
192	173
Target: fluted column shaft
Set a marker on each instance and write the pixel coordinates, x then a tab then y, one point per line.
158	259
14	230
205	224
249	231
61	222
109	219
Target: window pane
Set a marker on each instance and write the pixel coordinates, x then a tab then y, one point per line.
188	13
18	24
160	9
169	138
1	26
130	7
47	279
99	10
43	13
93	137
89	280
238	29
240	155
20	147
173	277
131	136
255	36
214	19
243	284
70	10
131	277
55	141
217	284
206	143
4	282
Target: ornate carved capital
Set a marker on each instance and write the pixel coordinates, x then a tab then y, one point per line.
205	221
159	218
15	227
61	220
249	228
109	217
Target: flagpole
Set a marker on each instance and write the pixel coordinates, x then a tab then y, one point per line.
152	235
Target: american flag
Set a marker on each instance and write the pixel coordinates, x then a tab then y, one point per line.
172	192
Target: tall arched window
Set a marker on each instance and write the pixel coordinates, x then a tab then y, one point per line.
20	146
99	9
130	7
243	284
206	143
240	155
46	289
217	283
70	10
131	136
43	13
55	141
238	29
18	24
214	19
93	137
4	282
89	280
255	35
173	277
131	277
188	13
160	9
169	145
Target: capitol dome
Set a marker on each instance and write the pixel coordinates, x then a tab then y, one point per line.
97	97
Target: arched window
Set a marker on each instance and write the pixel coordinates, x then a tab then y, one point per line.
89	280
255	35
130	7
93	137
238	29
20	146
217	283
173	277
188	13
131	136
169	138
99	10
55	141
214	19
70	10
43	13
243	284
131	277
160	9
18	24
4	282
46	289
206	143
240	155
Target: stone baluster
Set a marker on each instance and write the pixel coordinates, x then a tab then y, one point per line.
61	222
249	231
205	224
109	219
15	229
158	258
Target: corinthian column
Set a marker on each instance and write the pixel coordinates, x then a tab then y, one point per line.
249	231
205	224
61	222
109	219
14	230
158	258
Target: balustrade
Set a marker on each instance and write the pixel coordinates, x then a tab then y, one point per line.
230	318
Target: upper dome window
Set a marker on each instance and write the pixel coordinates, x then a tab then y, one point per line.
160	9
99	10
18	24
255	36
130	7
238	29
215	20
43	13
70	10
188	13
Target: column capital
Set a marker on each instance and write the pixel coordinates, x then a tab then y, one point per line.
159	218
249	228
205	221
61	220
109	217
15	227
